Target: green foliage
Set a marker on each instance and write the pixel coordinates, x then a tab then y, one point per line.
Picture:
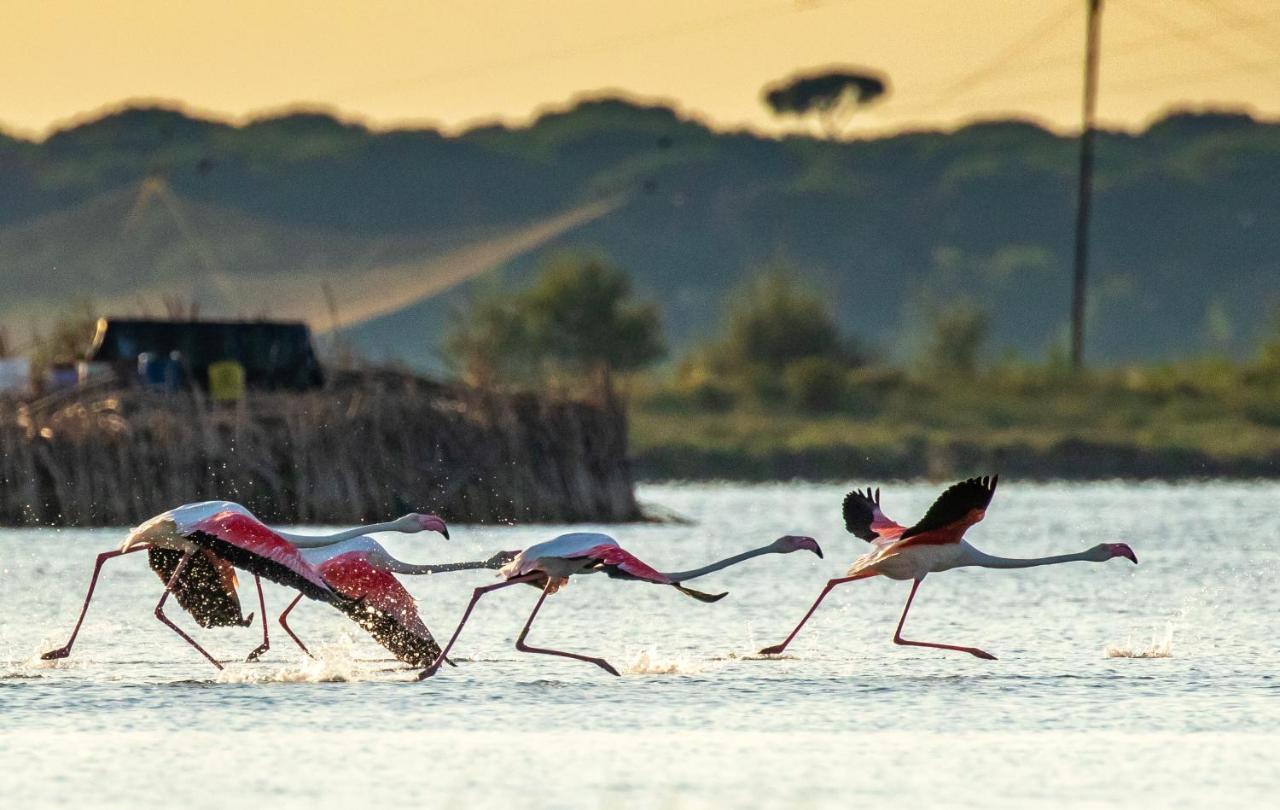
958	334
815	384
579	318
774	320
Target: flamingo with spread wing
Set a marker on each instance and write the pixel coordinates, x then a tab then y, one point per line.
933	545
195	549
549	565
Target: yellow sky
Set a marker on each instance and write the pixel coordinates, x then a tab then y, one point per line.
454	63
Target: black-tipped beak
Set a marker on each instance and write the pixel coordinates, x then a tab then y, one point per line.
817	549
445	532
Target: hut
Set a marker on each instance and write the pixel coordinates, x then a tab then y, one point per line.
274	355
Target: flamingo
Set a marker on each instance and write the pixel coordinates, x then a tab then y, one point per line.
220	536
549	565
933	545
361	570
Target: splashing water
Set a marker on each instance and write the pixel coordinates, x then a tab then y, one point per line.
648	662
1160	647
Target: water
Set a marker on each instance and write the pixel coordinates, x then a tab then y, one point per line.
1116	684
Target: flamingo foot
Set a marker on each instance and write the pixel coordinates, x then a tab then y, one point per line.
428	672
53	655
606	666
983	654
774	650
256	654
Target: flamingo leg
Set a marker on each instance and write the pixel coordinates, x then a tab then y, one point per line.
898	639
289	630
522	647
778	648
475	597
168	588
65	650
262	609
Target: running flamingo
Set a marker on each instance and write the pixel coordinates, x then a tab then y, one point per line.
364	572
549	565
934	544
220	536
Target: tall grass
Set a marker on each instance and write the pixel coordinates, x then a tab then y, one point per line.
356	454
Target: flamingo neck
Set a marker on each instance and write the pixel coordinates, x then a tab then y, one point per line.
682	576
980	559
400	567
321	540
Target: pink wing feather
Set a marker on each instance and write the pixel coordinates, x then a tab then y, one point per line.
247	534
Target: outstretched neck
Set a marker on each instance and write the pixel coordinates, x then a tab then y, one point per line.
321	540
980	559
400	567
683	576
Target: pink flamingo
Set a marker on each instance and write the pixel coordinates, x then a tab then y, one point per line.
549	565
221	536
361	570
934	544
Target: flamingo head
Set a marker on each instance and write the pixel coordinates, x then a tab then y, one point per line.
415	522
792	542
1107	551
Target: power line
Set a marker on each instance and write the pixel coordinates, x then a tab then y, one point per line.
768	11
1245	23
1002	59
1183	32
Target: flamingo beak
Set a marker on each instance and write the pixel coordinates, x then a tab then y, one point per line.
431	523
812	545
1123	550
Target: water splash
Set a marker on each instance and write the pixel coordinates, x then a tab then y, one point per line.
648	662
333	663
1159	648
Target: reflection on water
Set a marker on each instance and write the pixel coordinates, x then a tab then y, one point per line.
1080	709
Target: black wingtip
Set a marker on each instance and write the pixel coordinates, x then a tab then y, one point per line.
701	596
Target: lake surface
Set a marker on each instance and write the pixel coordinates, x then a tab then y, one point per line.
137	717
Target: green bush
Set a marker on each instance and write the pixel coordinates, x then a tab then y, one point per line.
815	384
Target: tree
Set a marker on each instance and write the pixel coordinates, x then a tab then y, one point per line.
830	95
959	335
774	320
578	318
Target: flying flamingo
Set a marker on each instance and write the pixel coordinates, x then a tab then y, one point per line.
221	536
364	572
549	565
934	544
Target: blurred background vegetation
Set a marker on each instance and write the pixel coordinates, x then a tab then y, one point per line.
764	306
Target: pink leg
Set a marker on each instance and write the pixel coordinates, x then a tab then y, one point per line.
289	630
262	609
522	647
778	648
898	639
168	588
475	597
65	650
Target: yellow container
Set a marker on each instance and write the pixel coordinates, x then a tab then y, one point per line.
226	381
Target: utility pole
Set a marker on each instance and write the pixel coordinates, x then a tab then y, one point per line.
1085	189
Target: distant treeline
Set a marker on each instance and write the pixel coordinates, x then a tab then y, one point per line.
1186	225
359	454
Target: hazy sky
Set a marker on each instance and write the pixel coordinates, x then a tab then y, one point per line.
453	63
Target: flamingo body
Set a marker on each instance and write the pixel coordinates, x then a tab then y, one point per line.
582	553
235	535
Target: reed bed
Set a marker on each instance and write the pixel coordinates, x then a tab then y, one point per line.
360	453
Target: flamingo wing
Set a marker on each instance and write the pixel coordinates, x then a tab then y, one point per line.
245	542
863	517
956	509
619	563
206	588
380	604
